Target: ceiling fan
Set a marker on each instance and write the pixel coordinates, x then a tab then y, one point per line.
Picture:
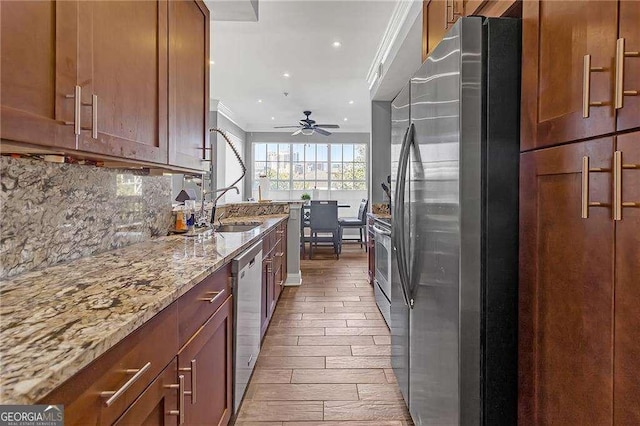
308	127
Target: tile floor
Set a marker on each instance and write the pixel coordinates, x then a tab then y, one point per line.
325	359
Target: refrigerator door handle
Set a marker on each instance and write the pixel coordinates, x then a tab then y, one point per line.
398	242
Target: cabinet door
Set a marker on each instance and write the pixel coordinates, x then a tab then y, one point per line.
122	59
629	115
158	404
38	68
556	37
627	318
188	83
436	23
206	362
566	288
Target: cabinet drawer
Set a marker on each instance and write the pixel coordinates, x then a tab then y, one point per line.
268	243
148	350
199	303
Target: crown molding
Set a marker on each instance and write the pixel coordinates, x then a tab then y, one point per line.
221	108
394	27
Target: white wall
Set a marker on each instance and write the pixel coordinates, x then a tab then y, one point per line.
227	167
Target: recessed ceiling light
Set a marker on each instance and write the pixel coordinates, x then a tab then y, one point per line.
350	102
273	118
259	101
337	44
286	75
212	62
346	119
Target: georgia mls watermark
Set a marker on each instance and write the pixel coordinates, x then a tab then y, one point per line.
31	415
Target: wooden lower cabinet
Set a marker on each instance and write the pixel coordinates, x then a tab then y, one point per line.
206	362
627	290
274	271
191	385
566	288
159	403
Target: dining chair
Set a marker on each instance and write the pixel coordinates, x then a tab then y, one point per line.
324	220
357	222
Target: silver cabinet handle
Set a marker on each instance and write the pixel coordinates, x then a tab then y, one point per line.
618	203
586	204
620	55
180	411
192	370
94	116
114	395
77	99
586	86
215	294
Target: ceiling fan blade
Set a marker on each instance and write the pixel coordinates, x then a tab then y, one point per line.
297	132
328	126
321	131
286	127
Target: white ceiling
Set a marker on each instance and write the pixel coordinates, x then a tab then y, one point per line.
296	37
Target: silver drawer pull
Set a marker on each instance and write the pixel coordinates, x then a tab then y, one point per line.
215	294
114	395
280	254
180	411
191	370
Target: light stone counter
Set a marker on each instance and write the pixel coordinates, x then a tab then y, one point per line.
56	320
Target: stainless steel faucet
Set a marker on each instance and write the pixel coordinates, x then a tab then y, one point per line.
233	186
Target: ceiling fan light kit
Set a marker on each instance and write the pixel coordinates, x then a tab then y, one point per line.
308	127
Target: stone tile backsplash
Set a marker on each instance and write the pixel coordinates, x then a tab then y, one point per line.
53	212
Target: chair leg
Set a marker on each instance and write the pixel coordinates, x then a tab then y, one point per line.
366	240
360	237
311	246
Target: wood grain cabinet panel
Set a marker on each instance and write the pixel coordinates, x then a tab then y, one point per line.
566	287
153	346
158	404
209	384
629	15
122	59
188	83
440	17
627	290
38	68
556	37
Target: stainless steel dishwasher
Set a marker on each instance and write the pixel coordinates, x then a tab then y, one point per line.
247	291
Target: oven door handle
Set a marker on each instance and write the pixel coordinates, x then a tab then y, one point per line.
381	231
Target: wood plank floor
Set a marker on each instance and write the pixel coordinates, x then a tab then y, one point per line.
325	359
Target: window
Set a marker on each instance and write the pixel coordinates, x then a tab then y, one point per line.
301	166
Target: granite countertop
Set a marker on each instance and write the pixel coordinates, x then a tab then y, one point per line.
379	215
56	320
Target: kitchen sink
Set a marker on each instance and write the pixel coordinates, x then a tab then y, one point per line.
236	228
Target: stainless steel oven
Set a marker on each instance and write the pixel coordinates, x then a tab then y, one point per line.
382	279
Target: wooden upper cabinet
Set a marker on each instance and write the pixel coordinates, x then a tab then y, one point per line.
438	17
557	90
206	362
188	83
627	294
566	288
38	63
122	60
628	113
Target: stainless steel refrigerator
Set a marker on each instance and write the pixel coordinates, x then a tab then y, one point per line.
455	151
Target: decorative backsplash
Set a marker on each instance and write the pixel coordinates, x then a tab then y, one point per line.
57	212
